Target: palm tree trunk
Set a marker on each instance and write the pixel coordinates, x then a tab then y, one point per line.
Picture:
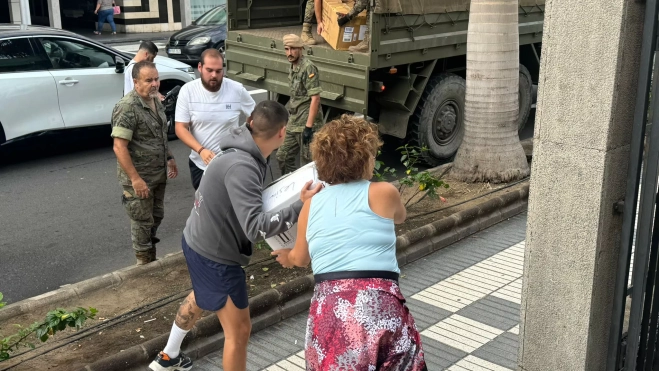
491	151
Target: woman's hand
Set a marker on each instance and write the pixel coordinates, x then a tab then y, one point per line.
282	257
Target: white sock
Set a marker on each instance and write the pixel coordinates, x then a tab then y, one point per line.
173	347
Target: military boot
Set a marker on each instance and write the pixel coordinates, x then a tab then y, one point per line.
306	36
146	257
364	46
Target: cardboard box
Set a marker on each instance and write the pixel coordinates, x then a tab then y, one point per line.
352	33
282	193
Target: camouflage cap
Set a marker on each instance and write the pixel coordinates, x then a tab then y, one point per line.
293	41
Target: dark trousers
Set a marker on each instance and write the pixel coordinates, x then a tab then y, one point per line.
106	15
195	174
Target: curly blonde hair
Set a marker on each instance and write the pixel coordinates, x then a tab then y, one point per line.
344	149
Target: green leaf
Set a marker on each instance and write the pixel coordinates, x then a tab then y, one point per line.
266	269
43	338
403	158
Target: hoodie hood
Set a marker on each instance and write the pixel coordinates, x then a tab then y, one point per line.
241	138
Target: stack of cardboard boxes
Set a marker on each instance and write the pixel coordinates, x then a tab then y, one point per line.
352	33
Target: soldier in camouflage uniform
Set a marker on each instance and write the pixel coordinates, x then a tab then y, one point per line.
306	115
139	129
309	14
360	5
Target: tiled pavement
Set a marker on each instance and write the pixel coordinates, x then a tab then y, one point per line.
465	300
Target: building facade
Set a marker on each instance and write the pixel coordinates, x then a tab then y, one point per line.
137	16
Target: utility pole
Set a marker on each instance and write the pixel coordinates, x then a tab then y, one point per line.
25	14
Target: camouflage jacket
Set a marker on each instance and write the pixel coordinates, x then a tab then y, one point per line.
304	83
146	131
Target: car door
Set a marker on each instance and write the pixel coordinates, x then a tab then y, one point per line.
28	95
87	84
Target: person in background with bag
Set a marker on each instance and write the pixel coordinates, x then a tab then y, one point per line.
358	319
105	12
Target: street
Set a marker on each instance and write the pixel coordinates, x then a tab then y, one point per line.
62	218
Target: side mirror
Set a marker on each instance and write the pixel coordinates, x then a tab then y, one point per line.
119	65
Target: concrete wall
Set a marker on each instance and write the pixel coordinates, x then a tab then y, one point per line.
586	100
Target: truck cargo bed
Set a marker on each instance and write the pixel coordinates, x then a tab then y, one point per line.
277	34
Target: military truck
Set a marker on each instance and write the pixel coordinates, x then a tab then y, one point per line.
411	83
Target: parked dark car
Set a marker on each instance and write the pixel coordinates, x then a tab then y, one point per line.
207	31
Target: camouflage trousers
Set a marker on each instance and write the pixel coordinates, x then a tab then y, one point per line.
287	153
145	215
309	11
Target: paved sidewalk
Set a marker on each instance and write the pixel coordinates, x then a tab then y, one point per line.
465	300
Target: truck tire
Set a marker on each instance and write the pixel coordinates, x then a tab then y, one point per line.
438	120
525	96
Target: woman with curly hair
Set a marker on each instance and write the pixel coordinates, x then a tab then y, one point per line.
358	319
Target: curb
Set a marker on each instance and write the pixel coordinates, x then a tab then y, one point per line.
134	40
53	298
273	306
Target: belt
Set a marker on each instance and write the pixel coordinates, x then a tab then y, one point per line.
389	275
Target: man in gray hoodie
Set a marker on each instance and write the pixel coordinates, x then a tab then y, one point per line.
227	218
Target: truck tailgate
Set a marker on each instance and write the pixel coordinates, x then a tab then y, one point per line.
256	57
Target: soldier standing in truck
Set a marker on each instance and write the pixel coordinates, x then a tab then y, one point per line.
360	5
313	8
306	115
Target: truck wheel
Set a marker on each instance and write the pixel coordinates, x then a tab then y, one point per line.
525	96
438	121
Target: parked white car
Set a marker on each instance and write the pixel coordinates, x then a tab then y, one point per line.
52	79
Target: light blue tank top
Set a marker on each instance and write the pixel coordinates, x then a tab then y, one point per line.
344	234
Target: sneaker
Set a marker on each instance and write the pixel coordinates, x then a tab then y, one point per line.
164	363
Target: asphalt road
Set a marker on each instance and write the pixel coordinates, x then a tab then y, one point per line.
61	219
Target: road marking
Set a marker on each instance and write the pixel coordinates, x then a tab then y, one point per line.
495	274
476	364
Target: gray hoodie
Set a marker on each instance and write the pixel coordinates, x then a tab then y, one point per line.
227	217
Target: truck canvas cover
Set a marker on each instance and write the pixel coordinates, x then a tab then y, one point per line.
432	6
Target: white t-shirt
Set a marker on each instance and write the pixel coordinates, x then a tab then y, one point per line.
128	77
212	115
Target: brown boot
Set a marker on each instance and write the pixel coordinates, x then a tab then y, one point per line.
146	257
364	46
306	36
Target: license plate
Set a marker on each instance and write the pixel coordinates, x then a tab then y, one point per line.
174	51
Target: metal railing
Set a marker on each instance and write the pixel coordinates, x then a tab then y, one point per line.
640	351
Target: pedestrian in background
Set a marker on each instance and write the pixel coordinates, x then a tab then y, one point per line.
144	161
225	222
105	12
357	318
306	114
207	109
147	52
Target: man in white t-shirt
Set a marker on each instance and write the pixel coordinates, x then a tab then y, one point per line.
147	52
207	109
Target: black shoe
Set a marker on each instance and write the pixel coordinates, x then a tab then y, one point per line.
164	363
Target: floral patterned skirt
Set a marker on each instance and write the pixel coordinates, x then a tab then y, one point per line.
362	325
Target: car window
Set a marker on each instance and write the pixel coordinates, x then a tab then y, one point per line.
17	55
214	17
69	54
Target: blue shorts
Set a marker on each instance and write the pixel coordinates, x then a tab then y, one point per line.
214	282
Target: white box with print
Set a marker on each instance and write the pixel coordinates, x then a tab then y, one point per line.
282	193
